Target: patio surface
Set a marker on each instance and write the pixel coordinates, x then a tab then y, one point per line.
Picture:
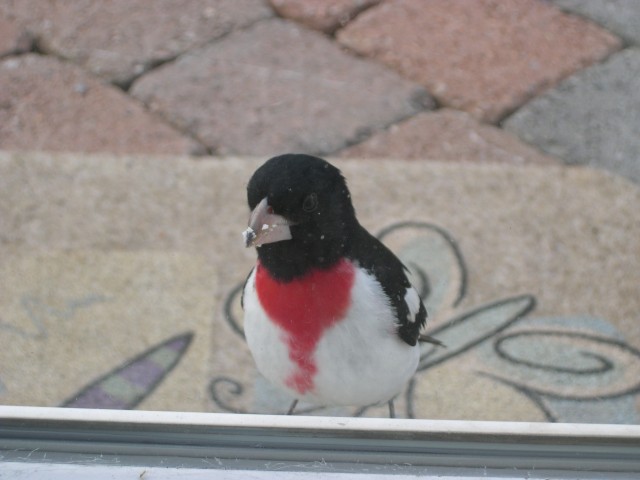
494	145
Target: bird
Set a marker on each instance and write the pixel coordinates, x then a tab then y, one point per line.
330	314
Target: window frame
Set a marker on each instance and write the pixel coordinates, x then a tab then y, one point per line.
205	441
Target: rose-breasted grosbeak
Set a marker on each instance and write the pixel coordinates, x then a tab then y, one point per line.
329	313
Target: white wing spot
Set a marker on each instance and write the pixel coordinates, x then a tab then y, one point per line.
412	299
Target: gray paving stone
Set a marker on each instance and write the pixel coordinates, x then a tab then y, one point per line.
120	39
619	16
48	104
592	118
278	87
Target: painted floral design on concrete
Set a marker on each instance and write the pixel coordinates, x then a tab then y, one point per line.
126	386
576	369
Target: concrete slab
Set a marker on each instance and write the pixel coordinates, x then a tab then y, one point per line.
72	319
277	87
620	16
325	15
533	277
121	39
486	57
591	118
446	135
47	104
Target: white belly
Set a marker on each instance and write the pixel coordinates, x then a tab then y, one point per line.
360	360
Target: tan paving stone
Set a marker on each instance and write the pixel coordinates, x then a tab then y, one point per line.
487	56
324	15
47	104
120	39
447	135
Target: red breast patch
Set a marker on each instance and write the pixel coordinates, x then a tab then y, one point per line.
304	308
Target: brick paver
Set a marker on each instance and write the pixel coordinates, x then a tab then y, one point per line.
121	39
448	135
277	87
591	118
487	56
324	15
13	38
46	104
620	16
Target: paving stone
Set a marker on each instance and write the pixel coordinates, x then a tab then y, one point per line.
278	87
106	258
13	38
324	15
448	135
46	104
121	39
25	12
486	57
591	118
619	16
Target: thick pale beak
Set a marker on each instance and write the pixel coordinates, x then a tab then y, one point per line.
265	227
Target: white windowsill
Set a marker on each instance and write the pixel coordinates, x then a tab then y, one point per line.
81	443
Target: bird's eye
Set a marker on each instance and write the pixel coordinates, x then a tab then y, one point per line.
310	203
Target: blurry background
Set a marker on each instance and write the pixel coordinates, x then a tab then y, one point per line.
494	144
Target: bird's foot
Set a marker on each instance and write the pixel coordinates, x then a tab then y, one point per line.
292	407
392	409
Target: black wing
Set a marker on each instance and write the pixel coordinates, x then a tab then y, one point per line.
379	261
245	286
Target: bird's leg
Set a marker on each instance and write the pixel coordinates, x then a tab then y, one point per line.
392	409
292	407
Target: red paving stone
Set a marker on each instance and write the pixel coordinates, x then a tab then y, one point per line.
120	39
13	38
278	87
324	15
483	56
46	104
447	135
